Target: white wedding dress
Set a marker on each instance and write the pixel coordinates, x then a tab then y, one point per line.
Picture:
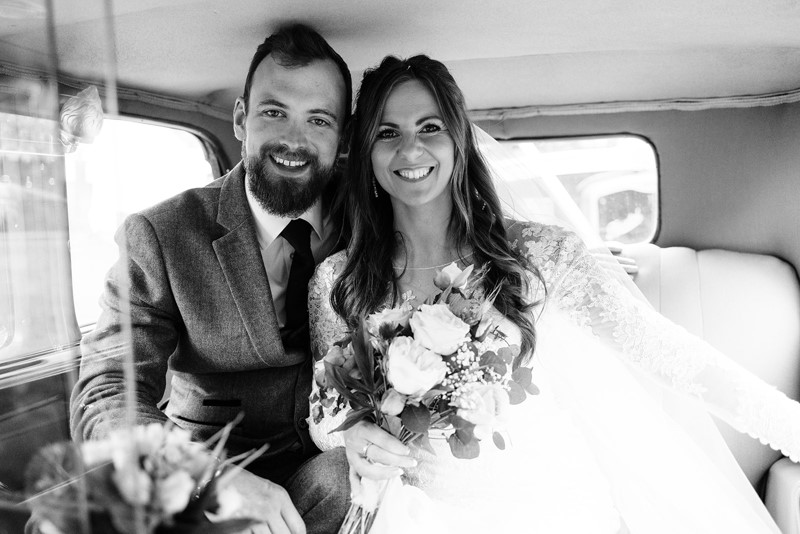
619	439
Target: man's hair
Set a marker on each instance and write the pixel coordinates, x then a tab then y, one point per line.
297	45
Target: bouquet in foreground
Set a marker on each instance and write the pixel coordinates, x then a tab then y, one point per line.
443	365
145	479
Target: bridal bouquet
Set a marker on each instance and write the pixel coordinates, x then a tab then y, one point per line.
149	479
443	365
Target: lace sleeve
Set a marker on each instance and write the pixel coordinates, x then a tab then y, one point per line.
327	409
578	285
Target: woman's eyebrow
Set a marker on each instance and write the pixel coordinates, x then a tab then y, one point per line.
419	121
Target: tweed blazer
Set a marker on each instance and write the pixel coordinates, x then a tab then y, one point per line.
200	306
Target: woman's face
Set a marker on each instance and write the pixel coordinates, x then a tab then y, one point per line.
413	154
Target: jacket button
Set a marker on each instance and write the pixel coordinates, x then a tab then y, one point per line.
302	423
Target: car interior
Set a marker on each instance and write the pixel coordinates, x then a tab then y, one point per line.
705	221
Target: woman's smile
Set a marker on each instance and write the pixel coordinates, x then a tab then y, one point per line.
414	174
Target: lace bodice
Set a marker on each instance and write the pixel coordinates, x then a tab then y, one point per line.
595	301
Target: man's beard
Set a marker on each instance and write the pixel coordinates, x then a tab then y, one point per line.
279	195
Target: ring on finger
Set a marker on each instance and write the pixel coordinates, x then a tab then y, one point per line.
366	449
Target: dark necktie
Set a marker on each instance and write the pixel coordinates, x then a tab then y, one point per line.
295	333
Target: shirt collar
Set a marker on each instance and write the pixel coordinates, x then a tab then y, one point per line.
269	226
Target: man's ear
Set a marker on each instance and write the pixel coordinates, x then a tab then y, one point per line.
239	118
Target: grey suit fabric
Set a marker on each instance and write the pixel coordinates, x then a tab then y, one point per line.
200	303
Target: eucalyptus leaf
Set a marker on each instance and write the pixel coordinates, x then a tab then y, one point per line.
416	418
493	361
459	422
508	353
499	442
516	393
522	376
466	450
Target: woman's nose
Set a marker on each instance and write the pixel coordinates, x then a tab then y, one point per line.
410	146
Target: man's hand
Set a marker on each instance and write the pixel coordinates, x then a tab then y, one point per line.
374	453
269	503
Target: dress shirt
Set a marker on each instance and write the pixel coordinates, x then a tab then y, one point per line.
277	252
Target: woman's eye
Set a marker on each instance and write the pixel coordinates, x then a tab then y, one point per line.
431	128
320	122
386	134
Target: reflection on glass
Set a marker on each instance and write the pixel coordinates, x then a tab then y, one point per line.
39	334
38	314
612	179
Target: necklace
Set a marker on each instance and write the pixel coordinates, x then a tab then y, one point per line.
401	268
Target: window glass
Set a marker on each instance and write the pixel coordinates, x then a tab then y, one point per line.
612	179
131	165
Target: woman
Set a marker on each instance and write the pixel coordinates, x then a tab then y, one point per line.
594	452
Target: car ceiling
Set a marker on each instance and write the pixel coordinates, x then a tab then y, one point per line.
504	54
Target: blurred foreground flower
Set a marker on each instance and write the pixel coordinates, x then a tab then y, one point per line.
151	479
81	118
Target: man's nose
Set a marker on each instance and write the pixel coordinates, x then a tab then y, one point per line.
294	135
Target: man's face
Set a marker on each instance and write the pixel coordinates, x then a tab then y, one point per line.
290	132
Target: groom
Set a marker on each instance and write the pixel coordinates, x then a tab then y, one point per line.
217	279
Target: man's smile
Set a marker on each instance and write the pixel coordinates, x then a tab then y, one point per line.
289	163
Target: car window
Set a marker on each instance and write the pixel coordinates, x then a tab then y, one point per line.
130	165
612	179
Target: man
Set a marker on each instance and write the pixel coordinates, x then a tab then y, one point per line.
217	279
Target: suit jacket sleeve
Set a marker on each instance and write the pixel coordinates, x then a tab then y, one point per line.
115	348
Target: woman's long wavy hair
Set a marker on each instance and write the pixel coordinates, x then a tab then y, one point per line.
476	222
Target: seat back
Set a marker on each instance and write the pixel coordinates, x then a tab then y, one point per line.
745	305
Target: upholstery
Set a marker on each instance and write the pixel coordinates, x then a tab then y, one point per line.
745	305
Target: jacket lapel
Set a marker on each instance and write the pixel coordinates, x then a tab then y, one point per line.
240	259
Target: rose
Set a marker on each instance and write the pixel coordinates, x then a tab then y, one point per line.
437	329
468	310
484	405
411	368
174	491
335	356
452	276
394	317
133	484
393	402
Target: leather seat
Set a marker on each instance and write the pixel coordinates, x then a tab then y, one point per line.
748	307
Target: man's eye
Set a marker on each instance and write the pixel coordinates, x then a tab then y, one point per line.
272	113
387	134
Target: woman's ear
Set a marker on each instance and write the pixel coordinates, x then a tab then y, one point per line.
239	118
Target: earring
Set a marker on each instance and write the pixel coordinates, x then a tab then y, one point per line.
482	201
375	187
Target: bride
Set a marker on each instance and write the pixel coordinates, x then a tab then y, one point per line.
619	439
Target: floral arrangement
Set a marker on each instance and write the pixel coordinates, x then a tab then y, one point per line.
151	479
442	365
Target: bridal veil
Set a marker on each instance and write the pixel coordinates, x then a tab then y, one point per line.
668	466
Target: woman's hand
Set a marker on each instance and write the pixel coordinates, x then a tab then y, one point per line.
374	453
